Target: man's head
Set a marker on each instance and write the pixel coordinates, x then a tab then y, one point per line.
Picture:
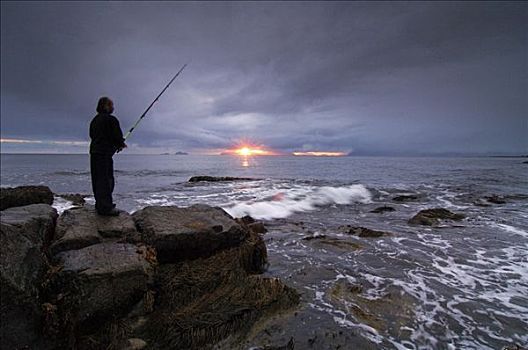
105	105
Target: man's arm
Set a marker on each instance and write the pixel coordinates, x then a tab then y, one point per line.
117	135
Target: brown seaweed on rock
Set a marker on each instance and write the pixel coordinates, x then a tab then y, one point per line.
206	300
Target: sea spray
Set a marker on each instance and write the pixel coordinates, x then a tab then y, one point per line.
289	201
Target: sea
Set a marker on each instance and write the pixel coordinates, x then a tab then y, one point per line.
458	285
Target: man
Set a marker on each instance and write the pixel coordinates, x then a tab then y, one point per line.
107	139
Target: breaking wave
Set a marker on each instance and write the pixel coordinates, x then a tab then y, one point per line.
289	201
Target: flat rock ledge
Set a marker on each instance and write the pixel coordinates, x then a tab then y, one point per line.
81	227
162	278
188	233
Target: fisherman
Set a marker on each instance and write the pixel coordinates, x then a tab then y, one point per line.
107	139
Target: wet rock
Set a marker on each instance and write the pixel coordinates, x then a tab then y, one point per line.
383	209
109	292
495	199
406	198
102	280
373	312
432	217
252	224
290	345
24	195
213	299
258	227
81	227
218	179
23	266
247	220
362	231
188	233
76	198
514	346
323	240
309	238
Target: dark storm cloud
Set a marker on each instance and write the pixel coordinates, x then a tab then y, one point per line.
365	77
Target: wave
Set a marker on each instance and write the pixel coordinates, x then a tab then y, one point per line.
289	201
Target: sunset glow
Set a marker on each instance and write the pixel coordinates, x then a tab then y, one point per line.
247	151
320	154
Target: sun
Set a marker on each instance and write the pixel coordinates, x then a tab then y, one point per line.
249	150
244	151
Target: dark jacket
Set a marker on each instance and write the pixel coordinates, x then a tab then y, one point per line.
106	135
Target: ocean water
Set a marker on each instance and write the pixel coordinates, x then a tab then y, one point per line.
462	285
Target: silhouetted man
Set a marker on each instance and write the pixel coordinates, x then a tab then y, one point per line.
107	139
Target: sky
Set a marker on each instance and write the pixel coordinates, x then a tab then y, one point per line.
365	78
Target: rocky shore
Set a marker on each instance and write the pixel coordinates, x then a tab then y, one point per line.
162	278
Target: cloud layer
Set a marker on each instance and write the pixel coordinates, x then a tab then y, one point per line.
371	78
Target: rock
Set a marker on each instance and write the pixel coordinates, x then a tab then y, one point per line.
188	233
405	198
212	299
246	220
36	222
251	224
24	195
334	242
218	179
431	217
290	345
258	227
105	289
102	280
373	311
525	162
76	198
495	199
309	238
23	267
81	227
362	231
383	209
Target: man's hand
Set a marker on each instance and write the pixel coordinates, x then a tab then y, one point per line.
122	147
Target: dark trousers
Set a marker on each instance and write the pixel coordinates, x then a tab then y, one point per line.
102	170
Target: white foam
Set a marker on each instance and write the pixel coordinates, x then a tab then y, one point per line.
61	204
289	201
512	229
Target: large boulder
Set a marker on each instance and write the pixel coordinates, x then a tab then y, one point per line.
432	217
188	233
23	266
81	227
24	195
36	222
101	280
207	300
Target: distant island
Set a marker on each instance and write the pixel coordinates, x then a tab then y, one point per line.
175	154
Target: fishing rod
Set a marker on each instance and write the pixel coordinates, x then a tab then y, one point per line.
152	104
